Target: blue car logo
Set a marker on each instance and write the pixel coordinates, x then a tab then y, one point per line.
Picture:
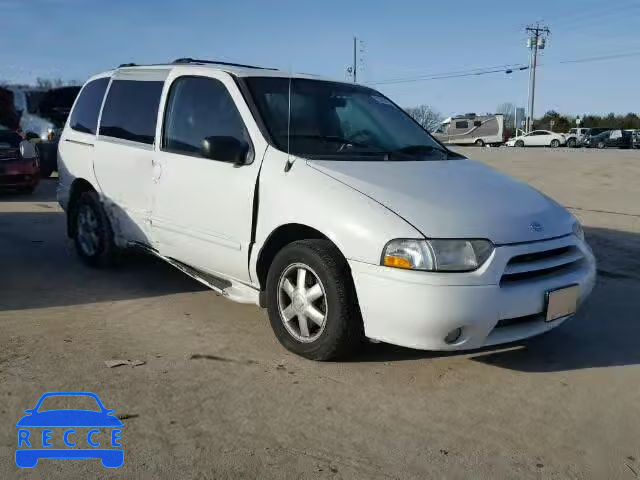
71	430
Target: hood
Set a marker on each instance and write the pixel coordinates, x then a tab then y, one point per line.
455	198
69	418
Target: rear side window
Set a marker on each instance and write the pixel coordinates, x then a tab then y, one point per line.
84	117
198	108
463	124
131	110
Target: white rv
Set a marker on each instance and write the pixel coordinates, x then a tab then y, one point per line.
472	129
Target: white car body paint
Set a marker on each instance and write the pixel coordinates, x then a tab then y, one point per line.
199	212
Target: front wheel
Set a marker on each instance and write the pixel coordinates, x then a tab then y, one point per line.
600	145
479	143
571	143
519	143
311	301
555	143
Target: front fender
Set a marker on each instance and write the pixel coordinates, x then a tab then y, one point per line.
358	225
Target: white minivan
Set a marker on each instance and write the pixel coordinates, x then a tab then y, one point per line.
322	201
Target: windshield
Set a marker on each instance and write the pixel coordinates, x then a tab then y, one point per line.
56	104
9	138
339	120
69	402
34	97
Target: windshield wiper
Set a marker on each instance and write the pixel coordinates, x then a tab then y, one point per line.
416	150
334	139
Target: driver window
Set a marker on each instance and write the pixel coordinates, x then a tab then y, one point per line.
197	108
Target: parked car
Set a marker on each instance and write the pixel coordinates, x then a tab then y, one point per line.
595	131
472	129
576	136
42	116
19	166
538	138
322	201
9	117
611	139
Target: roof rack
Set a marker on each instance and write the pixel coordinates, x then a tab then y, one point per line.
187	60
122	65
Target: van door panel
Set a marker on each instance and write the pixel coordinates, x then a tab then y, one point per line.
202	208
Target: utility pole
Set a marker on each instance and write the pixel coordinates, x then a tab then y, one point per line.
537	39
355	59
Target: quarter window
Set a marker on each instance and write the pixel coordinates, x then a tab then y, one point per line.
198	108
131	110
84	117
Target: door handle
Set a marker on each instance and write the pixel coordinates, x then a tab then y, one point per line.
157	171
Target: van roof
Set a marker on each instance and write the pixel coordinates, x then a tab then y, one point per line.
238	69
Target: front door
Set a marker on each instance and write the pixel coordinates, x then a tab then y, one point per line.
203	207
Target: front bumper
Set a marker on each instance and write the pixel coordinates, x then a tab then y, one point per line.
419	309
19	174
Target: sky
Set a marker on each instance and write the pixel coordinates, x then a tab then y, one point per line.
73	39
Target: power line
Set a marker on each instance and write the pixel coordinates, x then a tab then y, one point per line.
509	68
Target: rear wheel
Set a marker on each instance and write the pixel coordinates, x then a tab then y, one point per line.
479	143
519	143
311	301
92	233
45	172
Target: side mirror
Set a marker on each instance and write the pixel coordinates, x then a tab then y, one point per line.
28	150
225	149
29	410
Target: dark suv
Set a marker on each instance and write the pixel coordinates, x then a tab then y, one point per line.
611	139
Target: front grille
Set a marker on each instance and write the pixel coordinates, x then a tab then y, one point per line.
533	265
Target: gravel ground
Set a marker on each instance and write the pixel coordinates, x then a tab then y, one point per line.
217	397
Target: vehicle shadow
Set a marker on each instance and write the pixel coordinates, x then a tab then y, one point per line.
39	266
604	333
44	192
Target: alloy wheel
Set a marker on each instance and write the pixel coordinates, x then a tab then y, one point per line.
88	230
302	302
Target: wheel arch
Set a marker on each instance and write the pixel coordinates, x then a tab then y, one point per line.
277	240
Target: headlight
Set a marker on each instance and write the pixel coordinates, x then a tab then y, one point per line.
578	231
437	255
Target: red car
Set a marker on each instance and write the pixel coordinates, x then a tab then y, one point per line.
19	165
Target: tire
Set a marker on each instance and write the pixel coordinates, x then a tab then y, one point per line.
45	172
338	333
519	143
555	143
571	143
479	143
92	232
600	145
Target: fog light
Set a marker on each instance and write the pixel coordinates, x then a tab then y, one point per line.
453	336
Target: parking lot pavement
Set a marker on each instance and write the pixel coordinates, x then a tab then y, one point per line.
217	397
